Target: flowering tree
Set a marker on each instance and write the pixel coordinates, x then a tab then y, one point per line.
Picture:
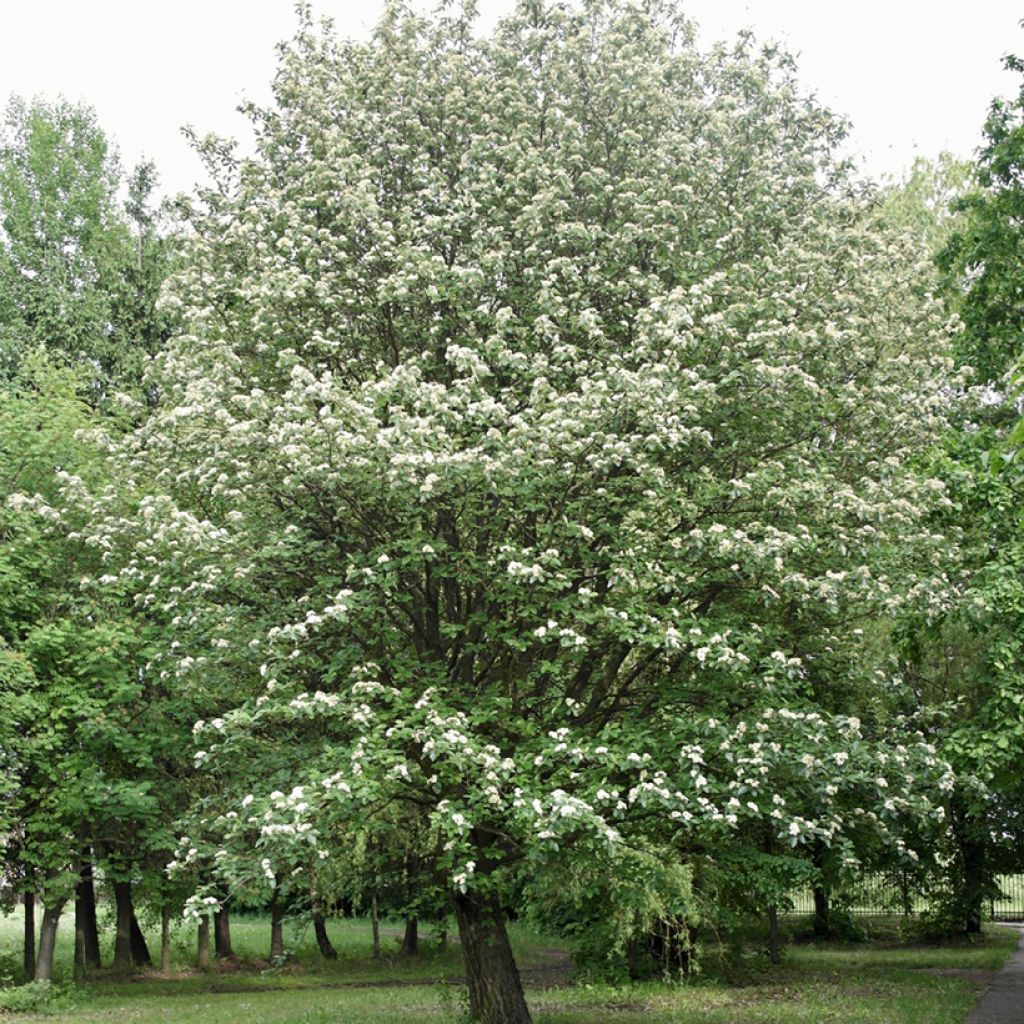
539	443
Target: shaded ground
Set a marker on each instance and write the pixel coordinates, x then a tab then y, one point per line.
892	979
982	977
551	969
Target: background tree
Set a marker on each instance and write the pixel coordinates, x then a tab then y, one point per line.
970	663
985	258
74	282
927	201
78	282
56	662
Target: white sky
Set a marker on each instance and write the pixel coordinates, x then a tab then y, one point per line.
914	76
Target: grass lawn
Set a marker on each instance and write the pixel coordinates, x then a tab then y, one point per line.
890	980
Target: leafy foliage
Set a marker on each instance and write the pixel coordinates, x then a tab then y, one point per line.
74	282
986	256
546	423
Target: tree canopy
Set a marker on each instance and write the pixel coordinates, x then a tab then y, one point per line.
545	422
561	491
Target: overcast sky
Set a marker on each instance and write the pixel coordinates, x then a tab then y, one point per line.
914	76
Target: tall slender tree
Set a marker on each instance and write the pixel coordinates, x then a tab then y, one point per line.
79	269
970	663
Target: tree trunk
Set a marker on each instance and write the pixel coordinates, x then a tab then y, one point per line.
323	940
969	879
222	933
822	925
48	941
974	899
140	951
633	959
203	944
773	934
123	926
495	990
30	935
411	939
165	939
86	927
276	930
79	943
375	925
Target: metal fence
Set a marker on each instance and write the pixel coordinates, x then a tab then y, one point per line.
895	895
1010	907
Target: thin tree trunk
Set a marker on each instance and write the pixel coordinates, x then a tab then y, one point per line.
86	895
375	925
276	929
165	939
633	959
773	934
973	885
411	939
323	940
822	925
222	933
30	935
968	875
79	942
906	895
140	951
495	989
48	941
203	944
123	926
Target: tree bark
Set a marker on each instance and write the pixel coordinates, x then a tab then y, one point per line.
411	938
86	929
633	959
323	940
222	933
30	935
822	926
973	854
79	943
495	989
276	929
773	934
123	926
203	944
165	939
48	941
375	925
140	951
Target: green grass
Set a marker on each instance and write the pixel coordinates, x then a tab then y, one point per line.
891	980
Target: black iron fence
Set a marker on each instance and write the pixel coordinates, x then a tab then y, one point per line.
895	895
